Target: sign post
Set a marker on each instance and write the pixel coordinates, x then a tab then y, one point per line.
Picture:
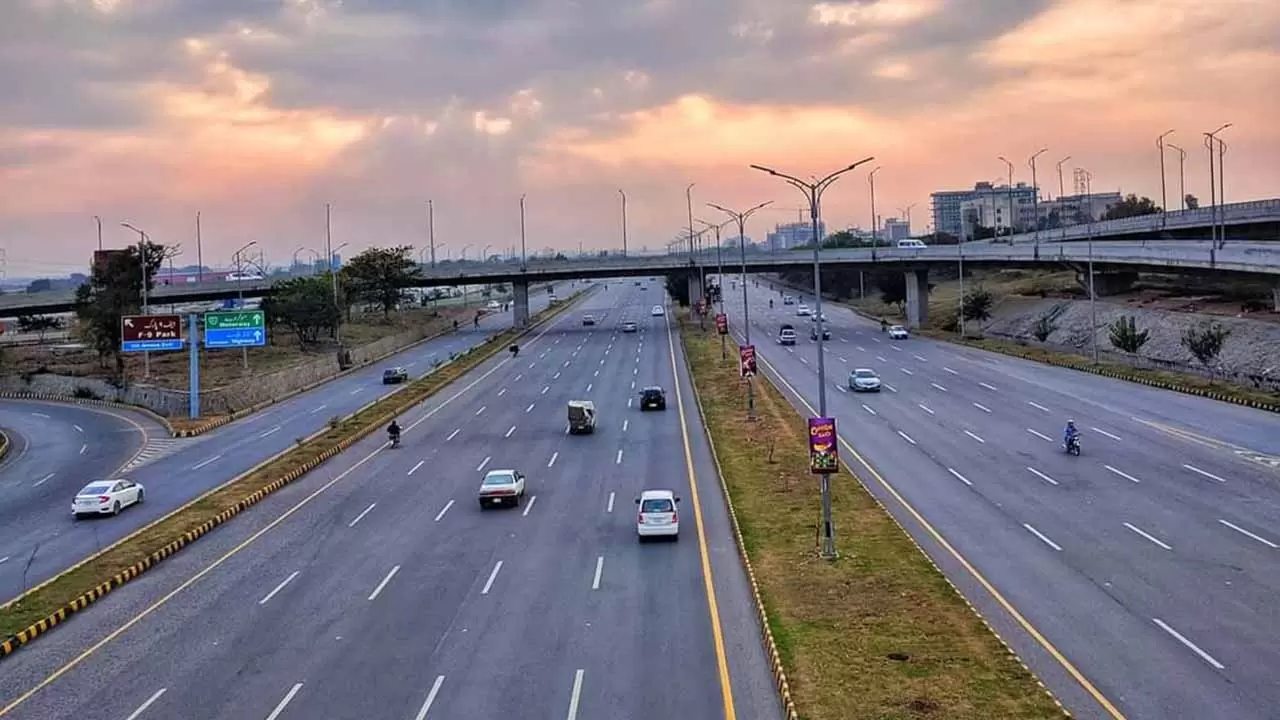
824	461
147	333
236	329
747	369
193	366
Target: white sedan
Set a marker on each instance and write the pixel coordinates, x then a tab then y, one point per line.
897	332
108	497
501	487
658	311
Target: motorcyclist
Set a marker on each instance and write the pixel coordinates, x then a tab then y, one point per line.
770	303
1070	434
455	324
393	431
515	350
884	325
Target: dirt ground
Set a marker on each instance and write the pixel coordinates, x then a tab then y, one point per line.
219	367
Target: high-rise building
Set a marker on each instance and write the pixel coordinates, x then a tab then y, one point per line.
957	212
792	235
896	229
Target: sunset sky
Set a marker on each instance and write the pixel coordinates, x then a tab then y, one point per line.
258	112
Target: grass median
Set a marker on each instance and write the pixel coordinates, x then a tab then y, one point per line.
45	600
877	634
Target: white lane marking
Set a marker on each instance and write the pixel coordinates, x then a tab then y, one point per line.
597	374
890	388
530	408
378	590
1146	535
906	371
484	463
443	510
40	415
502	392
895	348
4	559
881	359
1040	435
361	515
843	360
317	409
589	385
618	460
532	499
1246	533
1104	432
906	437
1043	539
517	377
1205	473
633	387
288	697
1042	476
453	434
83	448
606	352
143	707
1038	406
608	509
804	360
513	429
575	695
545	388
414	469
635	371
357	390
983	408
989	387
860	348
272	431
552	461
1124	475
960	477
864	407
488	584
482	409
953	372
431	697
1192	646
44	480
975	437
204	463
595	582
625	424
566	362
80	430
278	588
939	387
925	408
556	376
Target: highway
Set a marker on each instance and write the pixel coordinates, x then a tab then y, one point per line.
376	587
173	471
1151	563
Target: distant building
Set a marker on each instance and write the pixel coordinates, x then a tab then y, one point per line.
1076	209
792	235
895	230
959	212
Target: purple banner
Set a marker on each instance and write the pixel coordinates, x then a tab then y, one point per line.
824	457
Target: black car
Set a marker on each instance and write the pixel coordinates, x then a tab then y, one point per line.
653	398
394	376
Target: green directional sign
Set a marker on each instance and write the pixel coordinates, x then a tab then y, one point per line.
234	320
235	328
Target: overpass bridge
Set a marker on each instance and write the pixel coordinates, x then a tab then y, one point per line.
1253	220
1110	259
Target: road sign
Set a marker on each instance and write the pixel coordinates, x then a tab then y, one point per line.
146	333
747	360
245	328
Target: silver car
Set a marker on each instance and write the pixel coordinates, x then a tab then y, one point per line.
864	380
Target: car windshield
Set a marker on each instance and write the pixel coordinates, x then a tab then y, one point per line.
656	505
499	479
652	392
96	489
864	374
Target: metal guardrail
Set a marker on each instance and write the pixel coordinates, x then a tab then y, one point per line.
1254	211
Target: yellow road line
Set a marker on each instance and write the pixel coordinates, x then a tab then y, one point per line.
722	663
964	562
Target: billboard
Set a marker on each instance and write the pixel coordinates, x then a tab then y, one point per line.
824	456
747	361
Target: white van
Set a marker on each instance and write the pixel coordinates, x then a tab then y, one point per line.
911	244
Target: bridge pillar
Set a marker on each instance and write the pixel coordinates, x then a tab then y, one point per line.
917	298
1275	298
520	304
695	289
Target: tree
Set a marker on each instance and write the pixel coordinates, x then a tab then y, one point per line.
1126	337
893	288
380	276
39	324
114	290
1043	328
1205	341
1131	206
678	288
976	304
1192	202
304	305
841	239
41	285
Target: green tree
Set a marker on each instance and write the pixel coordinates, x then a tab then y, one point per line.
678	288
380	276
1131	206
1043	328
305	306
41	285
114	290
1205	341
1192	202
977	303
841	239
893	288
39	324
1126	337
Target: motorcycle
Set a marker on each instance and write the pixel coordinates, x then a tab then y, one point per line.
515	351
395	439
1072	445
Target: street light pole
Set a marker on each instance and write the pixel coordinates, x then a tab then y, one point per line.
741	218
1164	207
624	221
333	272
238	259
99	221
431	230
1093	296
1035	197
871	179
524	263
724	352
1209	139
813	193
1009	187
1182	173
143	241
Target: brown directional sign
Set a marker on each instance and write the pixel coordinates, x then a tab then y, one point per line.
151	332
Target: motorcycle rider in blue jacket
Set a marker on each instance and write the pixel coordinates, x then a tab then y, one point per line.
1070	433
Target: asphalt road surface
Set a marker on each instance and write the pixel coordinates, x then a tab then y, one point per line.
174	471
387	592
1150	563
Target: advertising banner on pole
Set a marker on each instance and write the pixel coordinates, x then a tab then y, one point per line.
824	456
747	360
722	323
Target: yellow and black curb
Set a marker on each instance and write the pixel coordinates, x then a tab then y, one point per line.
20	639
87	402
4	445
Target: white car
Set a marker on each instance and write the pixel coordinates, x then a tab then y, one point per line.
658	311
814	317
107	497
897	332
803	310
864	380
493	305
501	487
657	516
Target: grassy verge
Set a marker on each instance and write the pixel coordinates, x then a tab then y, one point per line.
879	633
45	600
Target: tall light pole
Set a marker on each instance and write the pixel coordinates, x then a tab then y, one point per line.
199	252
1209	139
1035	196
238	259
99	221
333	271
741	218
524	262
871	179
431	230
813	193
1009	187
1062	188
294	266
1182	172
143	242
906	215
1164	207
624	221
1093	296
724	352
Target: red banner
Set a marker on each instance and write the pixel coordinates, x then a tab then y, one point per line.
747	360
722	323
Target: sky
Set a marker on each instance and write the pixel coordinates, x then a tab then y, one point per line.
256	113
